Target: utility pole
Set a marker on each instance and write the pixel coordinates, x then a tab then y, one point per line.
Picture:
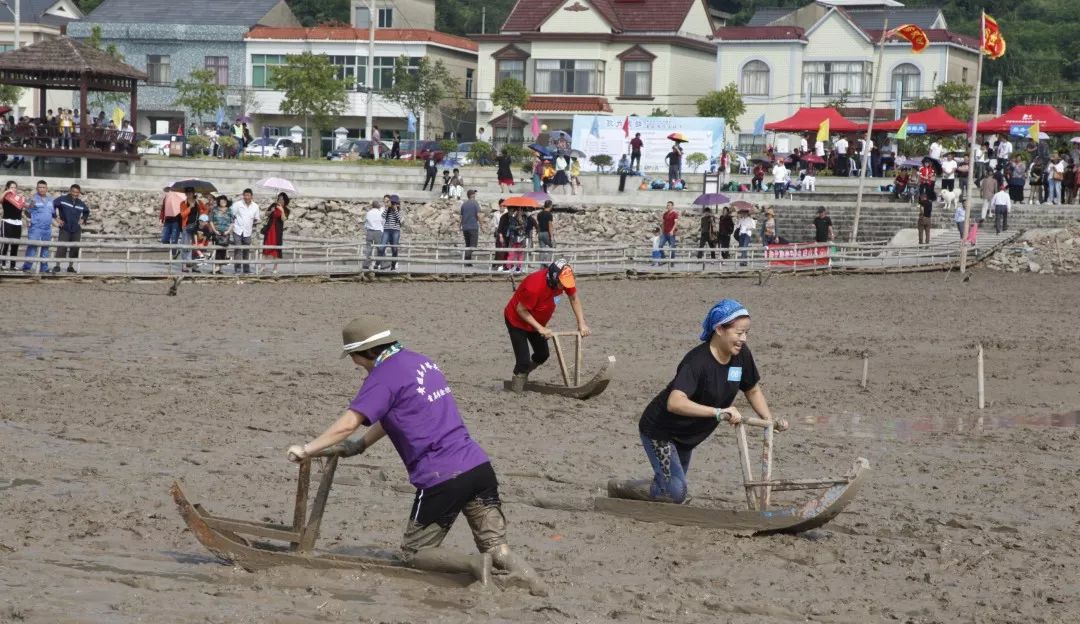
483	20
999	99
370	70
18	32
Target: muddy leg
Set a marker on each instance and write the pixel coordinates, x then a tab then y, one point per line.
421	549
488	526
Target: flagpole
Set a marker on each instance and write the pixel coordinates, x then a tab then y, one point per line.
869	128
971	147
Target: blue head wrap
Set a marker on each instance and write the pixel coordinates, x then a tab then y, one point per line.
725	311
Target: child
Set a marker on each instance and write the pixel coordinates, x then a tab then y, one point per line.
809	182
445	184
973	232
575	175
657	254
457	185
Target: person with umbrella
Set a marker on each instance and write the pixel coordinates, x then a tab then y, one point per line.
709	234
725	227
530	310
274	229
745	226
674	163
190	211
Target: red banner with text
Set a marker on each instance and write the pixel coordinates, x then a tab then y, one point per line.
792	255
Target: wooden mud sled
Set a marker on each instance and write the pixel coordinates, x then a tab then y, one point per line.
760	517
577	389
259	545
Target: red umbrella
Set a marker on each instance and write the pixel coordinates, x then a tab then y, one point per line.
678	137
813	159
742	205
521	202
1019	118
937	121
809	119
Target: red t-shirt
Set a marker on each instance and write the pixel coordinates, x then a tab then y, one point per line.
538	299
670	218
636	144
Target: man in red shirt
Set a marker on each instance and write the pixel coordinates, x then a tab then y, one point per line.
528	312
668	229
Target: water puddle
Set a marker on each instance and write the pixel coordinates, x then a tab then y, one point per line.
14	483
860	425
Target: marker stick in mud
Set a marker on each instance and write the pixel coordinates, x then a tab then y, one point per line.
982	382
865	369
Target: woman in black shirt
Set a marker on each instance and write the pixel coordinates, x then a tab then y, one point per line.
693	404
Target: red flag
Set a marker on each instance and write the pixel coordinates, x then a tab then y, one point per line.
912	33
626	127
993	44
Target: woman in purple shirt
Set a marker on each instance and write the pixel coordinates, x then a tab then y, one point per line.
406	398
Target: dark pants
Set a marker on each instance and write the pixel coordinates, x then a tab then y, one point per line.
521	341
429	181
622	181
500	256
635	161
923	225
725	243
241	254
947	184
1001	219
71	253
778	190
472	237
704	242
8	230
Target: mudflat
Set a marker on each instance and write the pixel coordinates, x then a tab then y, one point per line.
112	391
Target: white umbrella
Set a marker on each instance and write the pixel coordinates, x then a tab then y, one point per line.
277	184
1075	140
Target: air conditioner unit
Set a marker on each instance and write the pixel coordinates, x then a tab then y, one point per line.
232	99
484	106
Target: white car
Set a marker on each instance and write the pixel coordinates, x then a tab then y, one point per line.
274	147
159	144
461	154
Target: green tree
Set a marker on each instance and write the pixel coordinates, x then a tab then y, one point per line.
421	87
840	101
696	159
105	100
312	91
10	94
955	97
660	112
200	93
316	12
88	5
464	17
509	95
726	103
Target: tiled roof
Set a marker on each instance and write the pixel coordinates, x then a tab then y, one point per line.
623	15
347	33
33	12
567	103
935	35
191	12
764	17
760	33
875	18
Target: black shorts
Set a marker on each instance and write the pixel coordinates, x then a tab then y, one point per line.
442	503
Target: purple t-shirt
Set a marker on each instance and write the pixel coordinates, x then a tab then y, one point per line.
409	395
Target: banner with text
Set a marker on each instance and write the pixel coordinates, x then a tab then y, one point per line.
599	134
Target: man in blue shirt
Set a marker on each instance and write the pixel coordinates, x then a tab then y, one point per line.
41	212
72	214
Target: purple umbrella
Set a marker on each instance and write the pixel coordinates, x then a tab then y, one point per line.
243	119
539	196
711	199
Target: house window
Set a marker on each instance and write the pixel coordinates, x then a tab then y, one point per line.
637	78
569	77
220	66
262	65
384	70
351	69
363	18
469	83
964	75
835	77
386	18
510	69
754	79
907	76
157	68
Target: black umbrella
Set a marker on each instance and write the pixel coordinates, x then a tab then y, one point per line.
200	186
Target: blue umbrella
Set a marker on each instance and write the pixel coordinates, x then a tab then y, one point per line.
711	199
540	149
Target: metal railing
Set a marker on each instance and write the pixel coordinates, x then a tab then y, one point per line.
143	256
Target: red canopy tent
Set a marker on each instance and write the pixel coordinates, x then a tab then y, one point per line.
809	119
1019	118
936	121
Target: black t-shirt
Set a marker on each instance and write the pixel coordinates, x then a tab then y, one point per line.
544	220
503	172
821	229
927	207
705	381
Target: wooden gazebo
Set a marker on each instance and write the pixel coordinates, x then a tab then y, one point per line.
69	65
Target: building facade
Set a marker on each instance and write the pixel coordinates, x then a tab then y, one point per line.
169	40
596	57
410	14
821	53
39	20
347	50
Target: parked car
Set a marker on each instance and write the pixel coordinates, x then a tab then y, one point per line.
461	154
423	150
357	147
273	147
159	144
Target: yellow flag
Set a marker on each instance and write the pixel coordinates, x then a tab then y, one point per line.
1033	132
823	131
118	117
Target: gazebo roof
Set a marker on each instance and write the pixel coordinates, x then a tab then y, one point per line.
62	63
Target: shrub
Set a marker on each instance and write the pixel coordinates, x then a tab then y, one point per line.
198	145
601	161
480	150
448	145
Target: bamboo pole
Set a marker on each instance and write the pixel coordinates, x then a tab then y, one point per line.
865	369
982	381
865	156
971	147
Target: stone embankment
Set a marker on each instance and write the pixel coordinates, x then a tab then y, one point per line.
1041	251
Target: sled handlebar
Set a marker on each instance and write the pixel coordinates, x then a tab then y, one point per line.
348	448
757	422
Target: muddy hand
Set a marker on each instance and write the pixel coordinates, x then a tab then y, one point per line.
297	453
781	424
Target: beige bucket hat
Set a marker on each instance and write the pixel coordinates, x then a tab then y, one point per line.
364	333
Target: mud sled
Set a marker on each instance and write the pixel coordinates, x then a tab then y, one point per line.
575	390
761	517
258	545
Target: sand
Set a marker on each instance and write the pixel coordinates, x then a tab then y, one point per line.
111	391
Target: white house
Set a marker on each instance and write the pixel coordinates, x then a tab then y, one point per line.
347	49
788	58
615	57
